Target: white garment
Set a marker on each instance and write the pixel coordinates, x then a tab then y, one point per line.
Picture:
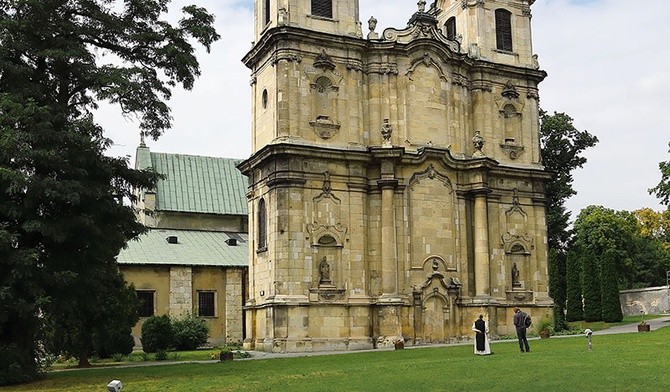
487	345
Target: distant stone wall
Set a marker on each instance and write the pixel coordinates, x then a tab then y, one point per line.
653	300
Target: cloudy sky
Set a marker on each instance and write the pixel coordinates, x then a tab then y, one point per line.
607	62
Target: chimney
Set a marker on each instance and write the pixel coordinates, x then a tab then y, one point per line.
172	239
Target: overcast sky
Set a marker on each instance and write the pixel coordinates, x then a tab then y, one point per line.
608	65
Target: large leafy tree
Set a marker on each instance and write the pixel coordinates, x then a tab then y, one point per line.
562	146
62	216
662	190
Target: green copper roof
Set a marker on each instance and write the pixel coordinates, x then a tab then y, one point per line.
194	248
199	184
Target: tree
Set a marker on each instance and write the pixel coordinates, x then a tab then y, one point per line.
662	190
574	304
62	216
604	241
561	145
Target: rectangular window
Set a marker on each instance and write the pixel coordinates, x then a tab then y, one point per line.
503	30
451	28
146	306
266	12
323	8
206	303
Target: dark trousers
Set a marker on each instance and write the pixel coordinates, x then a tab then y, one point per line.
523	342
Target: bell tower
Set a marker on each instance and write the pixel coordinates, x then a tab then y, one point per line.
493	30
329	16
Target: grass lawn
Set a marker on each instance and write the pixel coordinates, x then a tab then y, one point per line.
625	362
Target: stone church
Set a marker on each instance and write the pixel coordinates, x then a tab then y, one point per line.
395	183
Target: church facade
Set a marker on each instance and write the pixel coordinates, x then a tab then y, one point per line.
395	183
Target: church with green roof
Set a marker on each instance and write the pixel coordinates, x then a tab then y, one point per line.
193	261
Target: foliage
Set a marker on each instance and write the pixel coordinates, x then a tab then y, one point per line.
574	306
561	145
62	219
189	333
161	355
609	287
157	333
662	189
98	324
557	285
561	148
545	324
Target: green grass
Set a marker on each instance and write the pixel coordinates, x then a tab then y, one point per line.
625	362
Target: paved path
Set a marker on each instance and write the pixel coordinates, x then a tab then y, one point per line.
255	355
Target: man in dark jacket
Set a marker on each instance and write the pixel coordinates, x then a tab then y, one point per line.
519	323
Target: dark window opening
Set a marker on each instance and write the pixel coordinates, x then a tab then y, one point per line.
451	28
504	30
323	8
146	303
206	304
266	12
262	225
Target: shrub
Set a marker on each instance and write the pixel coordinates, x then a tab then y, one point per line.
189	333
161	355
157	334
113	342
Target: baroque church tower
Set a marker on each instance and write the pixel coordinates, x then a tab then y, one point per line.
395	185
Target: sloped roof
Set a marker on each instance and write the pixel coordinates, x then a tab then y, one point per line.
193	248
197	184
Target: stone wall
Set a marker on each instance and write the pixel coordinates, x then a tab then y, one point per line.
653	300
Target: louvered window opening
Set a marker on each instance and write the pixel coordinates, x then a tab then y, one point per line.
206	304
323	8
504	30
266	12
451	28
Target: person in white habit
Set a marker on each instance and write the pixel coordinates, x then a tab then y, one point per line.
482	346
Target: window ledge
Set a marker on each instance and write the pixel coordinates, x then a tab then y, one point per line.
327	19
507	52
261	250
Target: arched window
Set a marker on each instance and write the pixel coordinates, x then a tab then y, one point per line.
262	225
266	12
323	8
504	30
451	28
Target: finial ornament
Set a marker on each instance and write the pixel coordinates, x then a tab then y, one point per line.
387	130
478	142
372	25
422	5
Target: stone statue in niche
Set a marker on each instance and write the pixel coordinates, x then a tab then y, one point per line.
515	276
324	272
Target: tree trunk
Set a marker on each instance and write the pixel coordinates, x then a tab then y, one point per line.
83	361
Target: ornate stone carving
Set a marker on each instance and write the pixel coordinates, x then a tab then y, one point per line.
325	127
478	144
324	272
428	61
432	174
517	244
516	205
472	3
324	62
421	25
511	148
317	231
509	91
